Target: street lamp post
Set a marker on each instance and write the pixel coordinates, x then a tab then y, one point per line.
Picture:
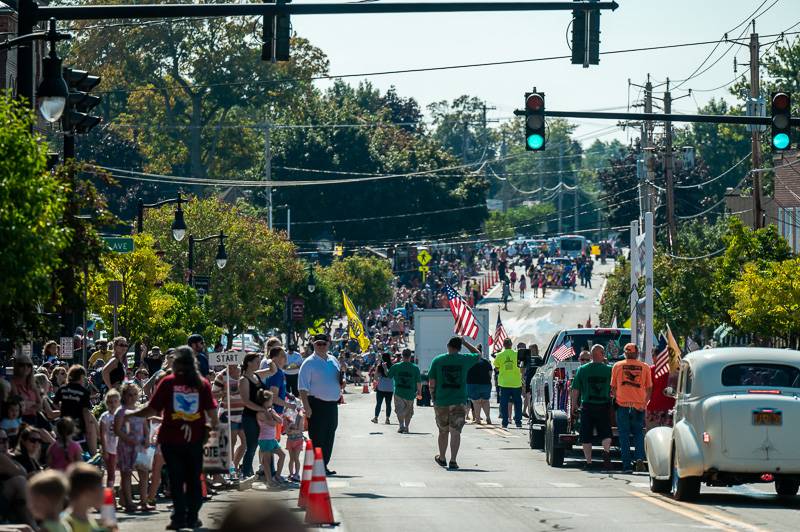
221	258
178	224
52	93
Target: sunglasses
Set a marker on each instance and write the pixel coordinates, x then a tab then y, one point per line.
34	440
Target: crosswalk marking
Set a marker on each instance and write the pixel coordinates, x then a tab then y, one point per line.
412	484
488	485
565	485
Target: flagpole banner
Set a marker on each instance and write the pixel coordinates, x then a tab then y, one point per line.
640	327
674	351
634	297
500	336
354	326
464	318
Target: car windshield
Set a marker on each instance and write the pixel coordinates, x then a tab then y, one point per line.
571	244
613	341
774	375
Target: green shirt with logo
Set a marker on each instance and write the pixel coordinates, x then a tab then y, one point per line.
450	373
406	376
593	381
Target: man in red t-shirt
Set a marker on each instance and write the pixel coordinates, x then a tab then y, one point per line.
184	402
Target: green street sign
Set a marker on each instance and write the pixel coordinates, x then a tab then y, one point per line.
120	244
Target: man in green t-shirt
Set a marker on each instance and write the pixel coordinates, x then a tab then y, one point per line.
447	379
592	386
510	382
407	388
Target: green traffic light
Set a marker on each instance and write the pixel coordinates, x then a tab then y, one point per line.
780	141
535	141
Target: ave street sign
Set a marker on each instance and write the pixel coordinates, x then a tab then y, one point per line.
423	257
120	244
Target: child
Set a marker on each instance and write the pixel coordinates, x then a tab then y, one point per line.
108	439
85	493
64	451
11	421
294	441
132	434
47	495
267	443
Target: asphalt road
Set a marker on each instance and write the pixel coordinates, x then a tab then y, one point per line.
389	481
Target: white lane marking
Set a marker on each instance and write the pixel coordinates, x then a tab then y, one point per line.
488	485
565	485
551	510
640	484
338	484
412	485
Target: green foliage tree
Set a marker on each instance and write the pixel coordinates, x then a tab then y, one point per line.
366	280
517	220
251	290
32	206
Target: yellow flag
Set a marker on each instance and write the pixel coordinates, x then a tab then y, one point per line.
627	324
674	351
354	326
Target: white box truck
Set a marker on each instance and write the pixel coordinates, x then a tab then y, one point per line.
434	327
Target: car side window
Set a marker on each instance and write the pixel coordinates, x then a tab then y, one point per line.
688	381
550	348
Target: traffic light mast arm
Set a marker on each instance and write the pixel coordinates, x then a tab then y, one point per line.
103	12
709	119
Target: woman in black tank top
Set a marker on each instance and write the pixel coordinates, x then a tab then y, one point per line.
249	385
114	370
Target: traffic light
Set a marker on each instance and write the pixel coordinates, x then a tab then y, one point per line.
275	37
76	117
781	115
586	36
534	121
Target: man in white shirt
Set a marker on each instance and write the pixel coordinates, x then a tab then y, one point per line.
293	362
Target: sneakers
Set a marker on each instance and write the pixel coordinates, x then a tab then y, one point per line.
388	422
401	430
374	420
518	425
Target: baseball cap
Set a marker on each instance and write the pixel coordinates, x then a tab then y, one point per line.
321	337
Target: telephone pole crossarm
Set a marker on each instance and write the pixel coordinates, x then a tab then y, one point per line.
655	117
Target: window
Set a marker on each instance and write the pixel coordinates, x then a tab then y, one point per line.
687	382
571	244
773	375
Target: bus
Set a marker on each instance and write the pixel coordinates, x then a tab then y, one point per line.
572	246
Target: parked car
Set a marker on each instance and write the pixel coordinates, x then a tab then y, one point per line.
736	421
550	427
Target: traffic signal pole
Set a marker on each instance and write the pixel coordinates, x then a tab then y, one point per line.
669	165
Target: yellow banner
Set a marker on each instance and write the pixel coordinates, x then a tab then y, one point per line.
354	326
674	351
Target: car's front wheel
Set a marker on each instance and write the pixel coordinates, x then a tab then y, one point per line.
684	488
786	488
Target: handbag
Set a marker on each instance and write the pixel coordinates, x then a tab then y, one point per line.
144	458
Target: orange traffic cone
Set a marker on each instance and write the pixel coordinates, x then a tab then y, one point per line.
319	510
365	388
203	486
108	512
305	481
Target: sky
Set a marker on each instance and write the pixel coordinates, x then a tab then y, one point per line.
370	43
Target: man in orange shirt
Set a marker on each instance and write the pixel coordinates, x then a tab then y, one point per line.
631	386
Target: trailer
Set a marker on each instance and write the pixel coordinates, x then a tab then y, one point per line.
434	327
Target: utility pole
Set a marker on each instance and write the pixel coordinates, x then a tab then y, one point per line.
669	165
755	137
268	171
575	202
560	184
647	137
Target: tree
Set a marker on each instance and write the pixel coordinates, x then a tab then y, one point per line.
518	220
366	280
32	207
251	290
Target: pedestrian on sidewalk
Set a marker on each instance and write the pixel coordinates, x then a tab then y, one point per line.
479	389
631	387
384	387
592	388
198	345
407	388
447	378
523	284
249	386
506	294
510	382
186	405
320	390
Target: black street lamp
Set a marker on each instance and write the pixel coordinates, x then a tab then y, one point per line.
178	224
52	93
221	258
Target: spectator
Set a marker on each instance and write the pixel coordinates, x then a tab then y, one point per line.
384	387
131	432
108	438
85	493
257	515
293	362
268	445
13	482
114	371
50	352
29	450
101	353
23	387
198	346
58	377
479	389
184	402
45	388
249	385
47	497
232	373
11	423
154	360
631	387
73	401
65	450
294	422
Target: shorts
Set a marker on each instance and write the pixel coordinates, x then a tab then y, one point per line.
295	444
595	417
236	426
477	392
267	446
451	417
403	407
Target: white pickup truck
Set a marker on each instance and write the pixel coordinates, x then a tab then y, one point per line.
550	426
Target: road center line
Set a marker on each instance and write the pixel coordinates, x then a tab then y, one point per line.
694	513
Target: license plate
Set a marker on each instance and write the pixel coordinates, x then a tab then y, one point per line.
767	418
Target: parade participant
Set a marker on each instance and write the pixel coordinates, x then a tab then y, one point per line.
320	390
447	379
523	284
198	345
22	386
631	387
407	388
384	387
591	386
184	402
510	382
506	293
479	389
530	371
115	368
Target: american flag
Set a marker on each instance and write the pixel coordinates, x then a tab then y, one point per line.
499	336
661	361
564	352
466	325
